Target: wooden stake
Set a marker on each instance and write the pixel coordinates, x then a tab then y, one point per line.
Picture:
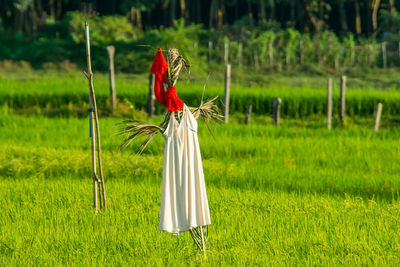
111	52
342	110
227	91
248	115
226	53
150	100
378	116
277	111
398	48
384	56
329	118
95	131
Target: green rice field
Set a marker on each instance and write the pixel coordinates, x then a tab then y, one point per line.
298	194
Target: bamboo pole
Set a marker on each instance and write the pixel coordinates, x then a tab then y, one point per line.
384	55
226	53
111	53
398	49
95	126
378	117
342	111
329	118
93	145
277	111
248	115
227	91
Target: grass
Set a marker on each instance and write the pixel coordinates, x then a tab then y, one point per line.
289	195
65	94
294	195
50	222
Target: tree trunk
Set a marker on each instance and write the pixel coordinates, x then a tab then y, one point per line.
392	7
184	12
139	19
250	13
133	16
375	8
164	8
293	12
52	9
315	21
59	9
38	7
272	7
220	15
172	12
358	17
342	16
198	12
213	10
262	12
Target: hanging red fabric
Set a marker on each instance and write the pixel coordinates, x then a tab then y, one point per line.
168	98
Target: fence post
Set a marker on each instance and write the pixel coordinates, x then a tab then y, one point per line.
277	111
384	56
111	53
240	51
150	100
342	98
210	47
329	118
227	91
399	48
248	115
226	53
378	116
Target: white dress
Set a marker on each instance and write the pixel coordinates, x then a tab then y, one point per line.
184	203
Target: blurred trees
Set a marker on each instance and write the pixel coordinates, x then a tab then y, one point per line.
361	17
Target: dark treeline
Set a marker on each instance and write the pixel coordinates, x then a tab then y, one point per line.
362	17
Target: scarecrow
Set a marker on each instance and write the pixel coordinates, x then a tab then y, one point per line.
184	204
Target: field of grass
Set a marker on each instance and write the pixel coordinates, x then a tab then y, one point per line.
278	196
65	94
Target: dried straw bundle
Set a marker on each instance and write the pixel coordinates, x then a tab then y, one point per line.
134	128
175	64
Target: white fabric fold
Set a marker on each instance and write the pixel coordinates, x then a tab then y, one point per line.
184	203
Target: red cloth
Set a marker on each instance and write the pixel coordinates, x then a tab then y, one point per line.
167	98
